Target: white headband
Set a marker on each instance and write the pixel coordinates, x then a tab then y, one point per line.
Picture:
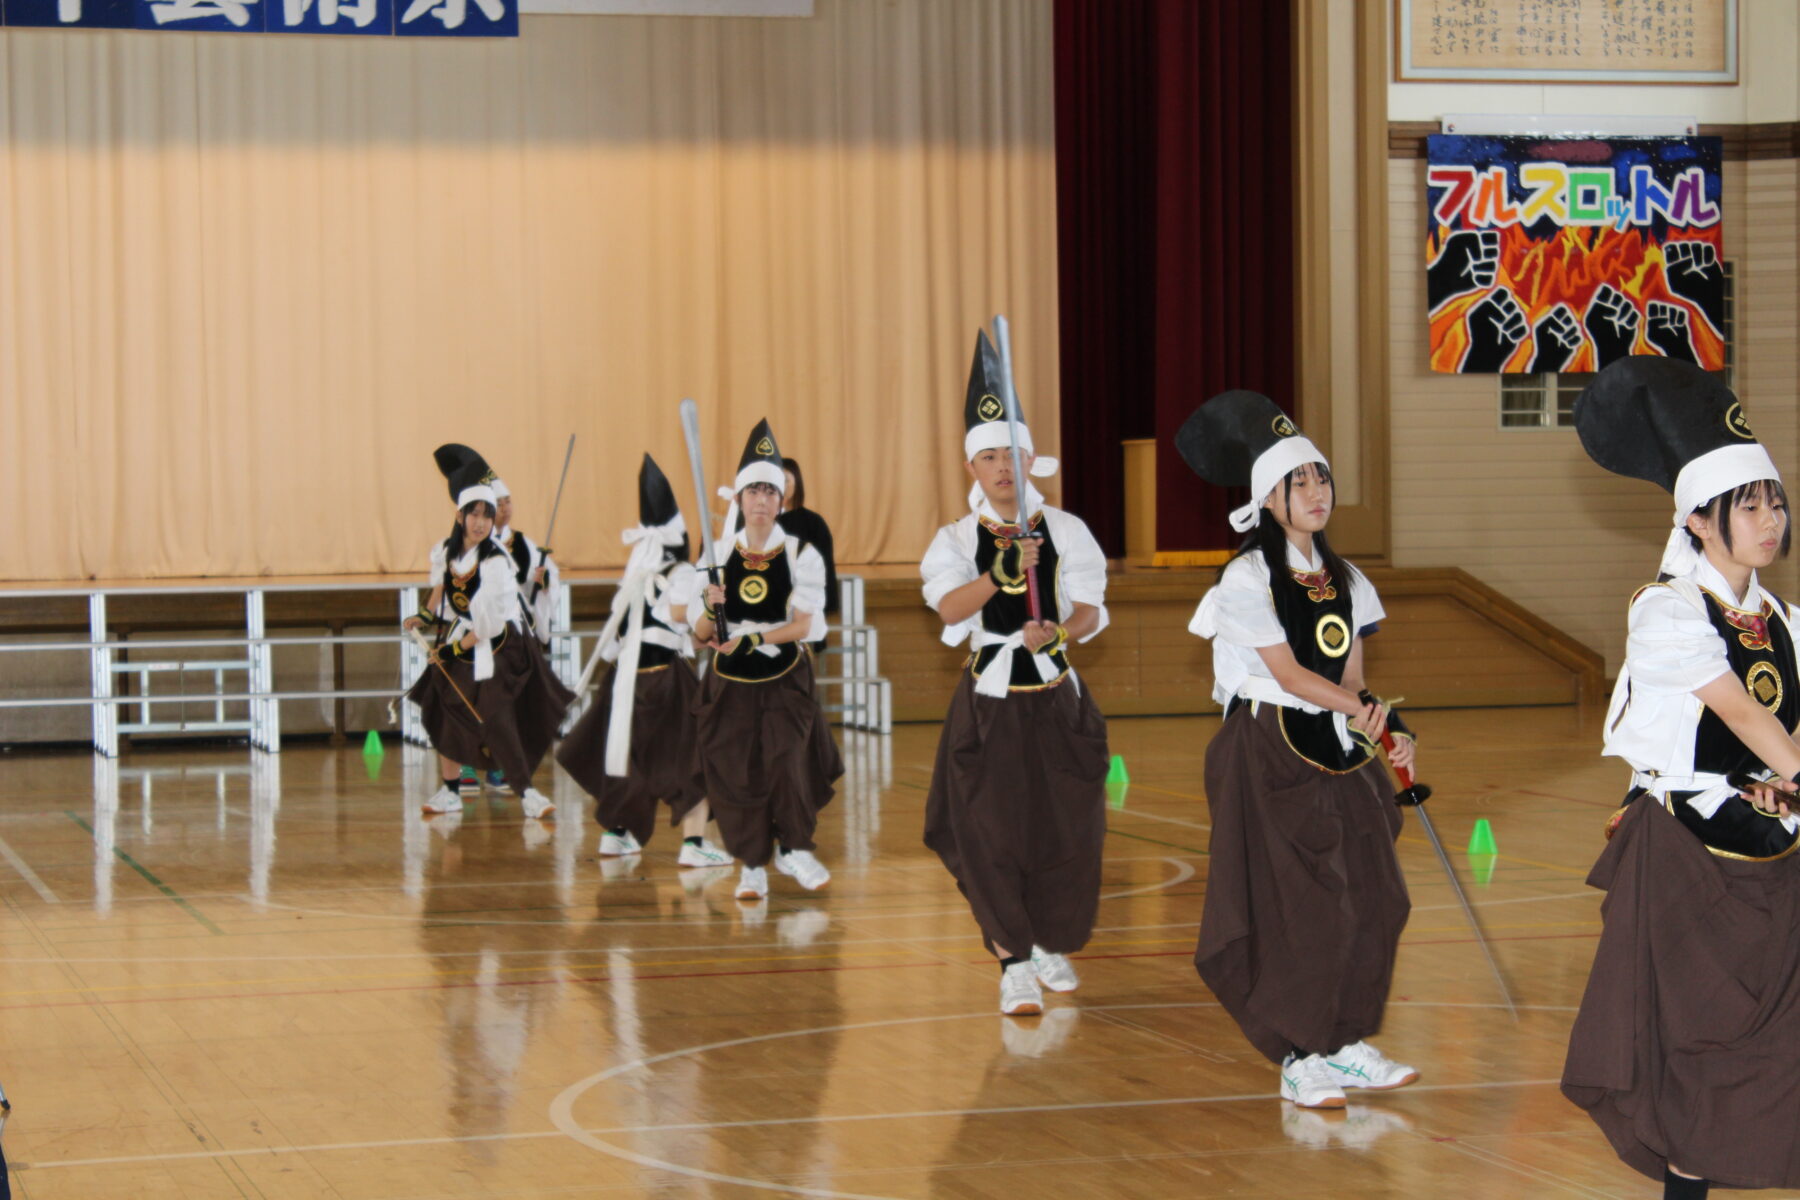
761	471
480	491
1270	468
1712	474
995	435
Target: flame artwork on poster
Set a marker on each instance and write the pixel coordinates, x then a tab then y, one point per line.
1559	254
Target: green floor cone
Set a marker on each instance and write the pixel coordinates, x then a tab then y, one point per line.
1115	794
1116	772
1482	867
372	745
1482	840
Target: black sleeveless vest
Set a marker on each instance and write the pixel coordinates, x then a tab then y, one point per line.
759	587
652	657
1008	609
1760	649
459	590
1316	614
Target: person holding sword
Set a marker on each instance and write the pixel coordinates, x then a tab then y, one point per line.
1305	902
763	744
1686	1048
1017	806
487	696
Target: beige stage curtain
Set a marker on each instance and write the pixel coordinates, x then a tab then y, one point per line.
247	283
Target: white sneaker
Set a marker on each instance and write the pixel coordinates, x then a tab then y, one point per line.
805	870
704	855
1360	1065
613	845
1053	970
753	883
442	801
1020	995
1309	1083
537	806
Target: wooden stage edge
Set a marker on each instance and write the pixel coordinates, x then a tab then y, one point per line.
1449	641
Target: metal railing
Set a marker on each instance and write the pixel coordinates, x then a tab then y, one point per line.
864	697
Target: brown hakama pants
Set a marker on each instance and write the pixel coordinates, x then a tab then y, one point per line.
1687	1045
520	706
767	760
1017	812
660	764
1305	902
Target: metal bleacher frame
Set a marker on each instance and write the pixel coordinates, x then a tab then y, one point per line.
863	698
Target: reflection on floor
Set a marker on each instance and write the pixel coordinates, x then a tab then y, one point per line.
269	976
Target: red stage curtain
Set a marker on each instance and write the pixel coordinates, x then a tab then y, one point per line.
1175	234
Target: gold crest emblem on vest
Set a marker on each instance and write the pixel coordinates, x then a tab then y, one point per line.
753	589
460	600
1738	423
1283	427
1333	635
989	408
1764	684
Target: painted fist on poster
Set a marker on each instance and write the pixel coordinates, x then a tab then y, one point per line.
1694	273
1612	321
1496	325
1668	331
1467	262
1555	339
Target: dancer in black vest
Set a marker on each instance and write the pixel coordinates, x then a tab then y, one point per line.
764	745
1686	1050
1017	808
488	697
635	746
1305	902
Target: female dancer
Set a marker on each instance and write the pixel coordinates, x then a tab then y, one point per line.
764	746
1686	1050
1305	903
635	746
487	696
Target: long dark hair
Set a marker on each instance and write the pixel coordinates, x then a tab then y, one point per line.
1718	511
799	482
453	545
1268	536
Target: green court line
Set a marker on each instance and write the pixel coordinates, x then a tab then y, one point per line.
154	882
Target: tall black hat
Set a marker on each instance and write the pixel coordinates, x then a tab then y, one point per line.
984	403
1242	439
656	500
1648	417
761	460
453	458
1671	423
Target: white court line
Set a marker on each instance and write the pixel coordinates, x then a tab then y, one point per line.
30	876
562	1108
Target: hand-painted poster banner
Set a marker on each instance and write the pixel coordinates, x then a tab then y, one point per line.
1552	254
378	18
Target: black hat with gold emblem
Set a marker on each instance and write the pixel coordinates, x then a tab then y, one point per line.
656	499
984	410
1674	425
1243	439
466	472
761	461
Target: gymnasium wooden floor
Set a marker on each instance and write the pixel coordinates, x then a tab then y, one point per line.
237	976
